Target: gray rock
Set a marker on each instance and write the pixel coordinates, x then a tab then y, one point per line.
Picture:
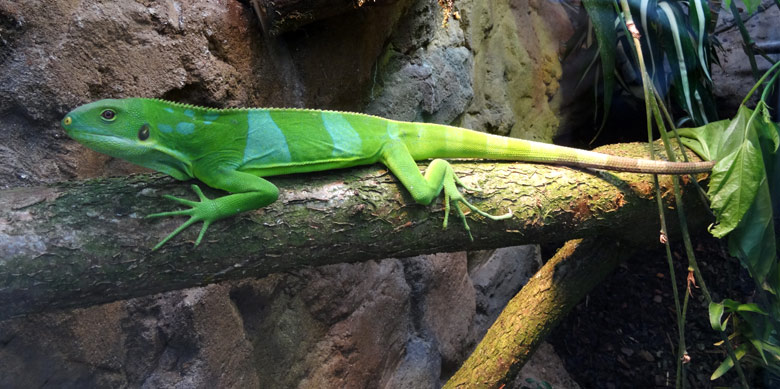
497	277
427	74
733	79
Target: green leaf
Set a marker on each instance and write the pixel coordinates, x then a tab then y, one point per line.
716	313
651	43
738	173
682	57
602	15
704	140
699	11
740	193
753	241
705	101
756	327
730	304
733	187
727	364
759	346
771	348
735	134
593	53
735	306
647	13
751	6
768	130
772	282
751	307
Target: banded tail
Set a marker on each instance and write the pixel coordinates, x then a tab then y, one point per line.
439	141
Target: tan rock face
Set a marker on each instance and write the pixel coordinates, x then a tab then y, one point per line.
516	67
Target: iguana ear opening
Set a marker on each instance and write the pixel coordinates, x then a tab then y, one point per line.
143	132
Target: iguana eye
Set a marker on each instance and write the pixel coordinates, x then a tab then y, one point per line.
108	114
143	132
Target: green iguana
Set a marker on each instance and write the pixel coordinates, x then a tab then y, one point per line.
233	149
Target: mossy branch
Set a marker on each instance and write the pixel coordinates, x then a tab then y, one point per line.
82	243
548	296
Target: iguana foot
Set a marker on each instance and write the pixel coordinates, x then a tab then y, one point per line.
426	188
451	192
204	211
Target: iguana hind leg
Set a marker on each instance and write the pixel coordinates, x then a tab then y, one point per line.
424	189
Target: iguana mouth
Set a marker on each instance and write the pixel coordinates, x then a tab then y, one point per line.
92	137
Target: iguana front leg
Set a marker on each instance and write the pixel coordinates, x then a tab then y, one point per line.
253	193
438	176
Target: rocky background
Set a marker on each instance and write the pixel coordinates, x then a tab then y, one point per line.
392	323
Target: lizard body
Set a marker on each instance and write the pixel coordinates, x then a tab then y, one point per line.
233	149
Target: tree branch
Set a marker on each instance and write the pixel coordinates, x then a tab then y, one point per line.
81	243
529	317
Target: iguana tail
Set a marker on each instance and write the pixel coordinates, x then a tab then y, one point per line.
426	141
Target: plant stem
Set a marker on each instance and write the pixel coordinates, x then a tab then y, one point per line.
770	84
760	82
692	263
682	351
747	41
629	22
651	106
660	104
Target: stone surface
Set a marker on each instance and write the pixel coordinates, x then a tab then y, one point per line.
393	323
389	323
425	71
733	79
499	63
516	68
500	273
544	366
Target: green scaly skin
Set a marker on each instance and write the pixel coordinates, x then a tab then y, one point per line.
233	149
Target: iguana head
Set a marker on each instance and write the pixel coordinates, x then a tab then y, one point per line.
122	129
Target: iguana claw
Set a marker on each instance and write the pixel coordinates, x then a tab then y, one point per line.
451	192
199	211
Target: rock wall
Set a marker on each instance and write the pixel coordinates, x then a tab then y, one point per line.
516	45
733	79
393	323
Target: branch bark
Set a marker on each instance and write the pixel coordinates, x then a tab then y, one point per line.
77	244
529	317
